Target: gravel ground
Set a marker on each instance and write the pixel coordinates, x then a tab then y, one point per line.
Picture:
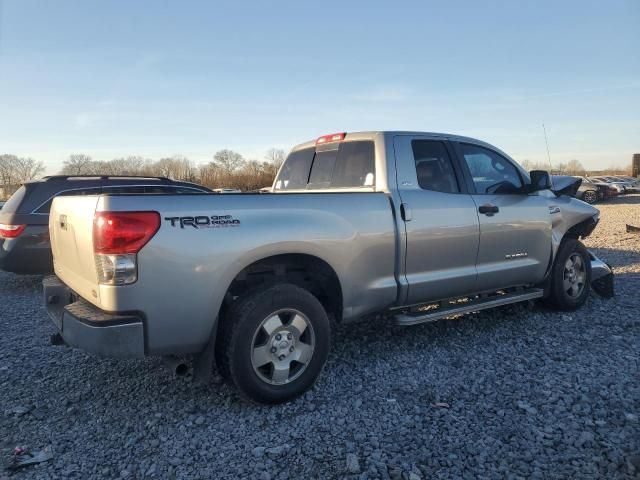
512	393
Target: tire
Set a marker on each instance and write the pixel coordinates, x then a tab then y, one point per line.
570	277
590	196
274	344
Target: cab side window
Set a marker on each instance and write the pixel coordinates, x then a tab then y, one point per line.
491	172
433	166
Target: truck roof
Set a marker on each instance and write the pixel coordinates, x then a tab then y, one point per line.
372	134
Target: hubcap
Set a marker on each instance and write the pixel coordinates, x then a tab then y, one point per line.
282	346
574	275
590	197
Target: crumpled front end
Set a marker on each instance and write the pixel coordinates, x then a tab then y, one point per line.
601	277
577	219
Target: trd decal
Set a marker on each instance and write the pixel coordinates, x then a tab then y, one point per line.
203	221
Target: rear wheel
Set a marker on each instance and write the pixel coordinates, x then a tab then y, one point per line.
275	342
590	196
570	276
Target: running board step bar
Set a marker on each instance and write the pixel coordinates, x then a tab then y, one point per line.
441	309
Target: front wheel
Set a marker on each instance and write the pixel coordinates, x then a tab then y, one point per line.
275	342
570	276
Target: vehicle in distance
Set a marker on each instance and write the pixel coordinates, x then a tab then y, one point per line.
591	192
612	182
607	189
226	190
631	185
24	220
410	226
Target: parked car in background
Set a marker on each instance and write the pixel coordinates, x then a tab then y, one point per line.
607	189
24	220
591	192
226	190
631	185
616	185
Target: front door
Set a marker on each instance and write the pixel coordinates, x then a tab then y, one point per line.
515	227
440	221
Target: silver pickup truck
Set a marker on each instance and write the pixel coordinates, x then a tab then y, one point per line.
408	226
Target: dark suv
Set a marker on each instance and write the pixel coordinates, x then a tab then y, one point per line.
24	219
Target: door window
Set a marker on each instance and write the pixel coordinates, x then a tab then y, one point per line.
491	172
433	166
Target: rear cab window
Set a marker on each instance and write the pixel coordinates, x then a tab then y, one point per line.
348	164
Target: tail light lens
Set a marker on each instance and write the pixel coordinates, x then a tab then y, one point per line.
117	238
11	231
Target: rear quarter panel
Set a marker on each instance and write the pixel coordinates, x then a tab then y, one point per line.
184	273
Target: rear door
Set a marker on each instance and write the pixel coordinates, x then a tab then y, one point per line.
440	220
515	227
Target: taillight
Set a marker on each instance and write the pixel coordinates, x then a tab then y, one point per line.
117	238
11	231
123	232
334	137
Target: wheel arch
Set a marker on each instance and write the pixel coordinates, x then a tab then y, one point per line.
302	269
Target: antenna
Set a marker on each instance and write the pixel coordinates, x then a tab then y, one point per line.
547	143
548	155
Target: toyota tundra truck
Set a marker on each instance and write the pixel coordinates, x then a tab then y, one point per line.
404	226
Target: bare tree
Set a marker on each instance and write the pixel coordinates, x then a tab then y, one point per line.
28	169
14	171
79	164
228	160
574	167
176	167
275	156
7	171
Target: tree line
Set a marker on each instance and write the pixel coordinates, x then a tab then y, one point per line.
14	171
227	169
572	167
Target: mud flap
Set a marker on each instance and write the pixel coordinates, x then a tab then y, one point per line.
601	277
204	361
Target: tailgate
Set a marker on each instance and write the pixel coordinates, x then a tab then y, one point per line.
71	232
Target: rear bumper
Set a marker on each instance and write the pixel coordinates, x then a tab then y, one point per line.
84	326
30	253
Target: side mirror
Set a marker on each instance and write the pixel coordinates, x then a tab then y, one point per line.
540	180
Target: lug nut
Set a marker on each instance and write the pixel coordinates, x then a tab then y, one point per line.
273	349
291	349
281	357
289	336
278	337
